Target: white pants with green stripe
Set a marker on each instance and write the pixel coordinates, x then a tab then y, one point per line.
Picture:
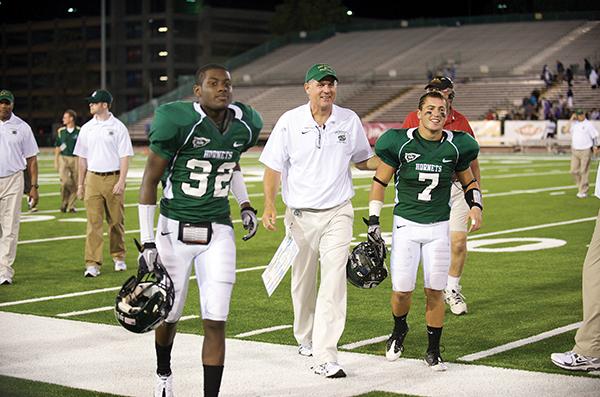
320	313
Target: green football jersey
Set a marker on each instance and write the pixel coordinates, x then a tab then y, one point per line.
66	140
424	170
201	158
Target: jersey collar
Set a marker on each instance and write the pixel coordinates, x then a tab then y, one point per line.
330	120
237	111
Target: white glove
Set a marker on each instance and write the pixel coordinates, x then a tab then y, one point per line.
148	257
249	221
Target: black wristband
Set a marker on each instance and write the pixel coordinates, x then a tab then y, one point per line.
149	245
473	198
249	208
373	220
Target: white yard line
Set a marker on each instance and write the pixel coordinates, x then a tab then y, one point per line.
365	342
96	291
190	317
520	342
263	331
79	313
542	226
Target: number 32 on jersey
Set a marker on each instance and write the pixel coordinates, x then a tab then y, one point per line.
201	170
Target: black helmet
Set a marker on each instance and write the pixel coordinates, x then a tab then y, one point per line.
145	300
365	267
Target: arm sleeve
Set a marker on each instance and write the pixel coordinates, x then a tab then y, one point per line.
386	150
362	149
81	145
162	134
30	147
125	147
274	154
468	152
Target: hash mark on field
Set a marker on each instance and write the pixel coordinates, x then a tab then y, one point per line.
365	342
520	342
96	310
262	331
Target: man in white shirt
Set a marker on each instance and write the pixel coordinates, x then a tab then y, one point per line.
584	140
310	152
18	150
103	148
585	355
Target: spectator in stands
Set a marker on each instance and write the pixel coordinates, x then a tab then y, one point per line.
585	355
588	68
546	108
570	98
546	76
560	71
584	141
491	115
595	114
569	76
459	209
593	79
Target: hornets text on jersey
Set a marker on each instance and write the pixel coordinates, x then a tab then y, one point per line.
424	170
201	158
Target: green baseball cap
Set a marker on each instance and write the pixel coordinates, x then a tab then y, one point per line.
579	111
318	71
7	96
100	96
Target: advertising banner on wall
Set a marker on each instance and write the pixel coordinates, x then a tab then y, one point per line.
375	130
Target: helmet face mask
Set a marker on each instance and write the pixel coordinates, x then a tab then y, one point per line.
365	268
145	300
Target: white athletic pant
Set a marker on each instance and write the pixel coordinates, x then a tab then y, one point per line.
214	266
11	194
320	317
413	242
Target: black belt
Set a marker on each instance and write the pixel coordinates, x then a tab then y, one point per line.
106	173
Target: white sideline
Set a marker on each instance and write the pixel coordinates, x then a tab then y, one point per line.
520	342
107	358
262	331
80	312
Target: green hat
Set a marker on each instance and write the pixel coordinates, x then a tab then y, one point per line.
100	96
318	71
579	111
7	96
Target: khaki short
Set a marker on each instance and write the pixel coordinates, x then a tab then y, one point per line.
459	211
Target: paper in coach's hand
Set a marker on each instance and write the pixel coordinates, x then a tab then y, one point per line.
280	263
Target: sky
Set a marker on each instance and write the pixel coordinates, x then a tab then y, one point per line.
12	10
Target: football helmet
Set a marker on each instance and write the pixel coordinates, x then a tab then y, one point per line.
365	267
145	300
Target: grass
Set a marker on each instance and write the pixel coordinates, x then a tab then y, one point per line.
511	295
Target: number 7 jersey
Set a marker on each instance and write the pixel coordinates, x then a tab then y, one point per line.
424	170
201	158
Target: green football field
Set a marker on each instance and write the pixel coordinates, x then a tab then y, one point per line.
522	280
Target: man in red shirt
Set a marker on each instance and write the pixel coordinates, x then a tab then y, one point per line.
459	211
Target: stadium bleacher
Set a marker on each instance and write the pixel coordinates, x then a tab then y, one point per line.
382	72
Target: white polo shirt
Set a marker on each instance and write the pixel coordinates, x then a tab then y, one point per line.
315	162
16	145
103	144
583	135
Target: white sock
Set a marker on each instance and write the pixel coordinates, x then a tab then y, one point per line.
453	282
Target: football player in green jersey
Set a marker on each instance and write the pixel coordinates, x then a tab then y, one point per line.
422	160
195	149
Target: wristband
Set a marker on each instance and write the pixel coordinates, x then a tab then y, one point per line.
238	187
375	207
473	198
146	215
465	187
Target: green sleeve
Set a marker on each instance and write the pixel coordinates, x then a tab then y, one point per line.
163	134
254	121
386	148
469	150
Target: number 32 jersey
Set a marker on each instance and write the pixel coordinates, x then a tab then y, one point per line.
201	158
424	170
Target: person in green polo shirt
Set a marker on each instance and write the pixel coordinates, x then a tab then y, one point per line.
65	161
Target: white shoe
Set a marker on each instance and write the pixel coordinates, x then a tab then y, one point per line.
305	350
120	266
91	271
575	362
395	346
4	280
581	195
435	362
455	300
163	386
330	370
